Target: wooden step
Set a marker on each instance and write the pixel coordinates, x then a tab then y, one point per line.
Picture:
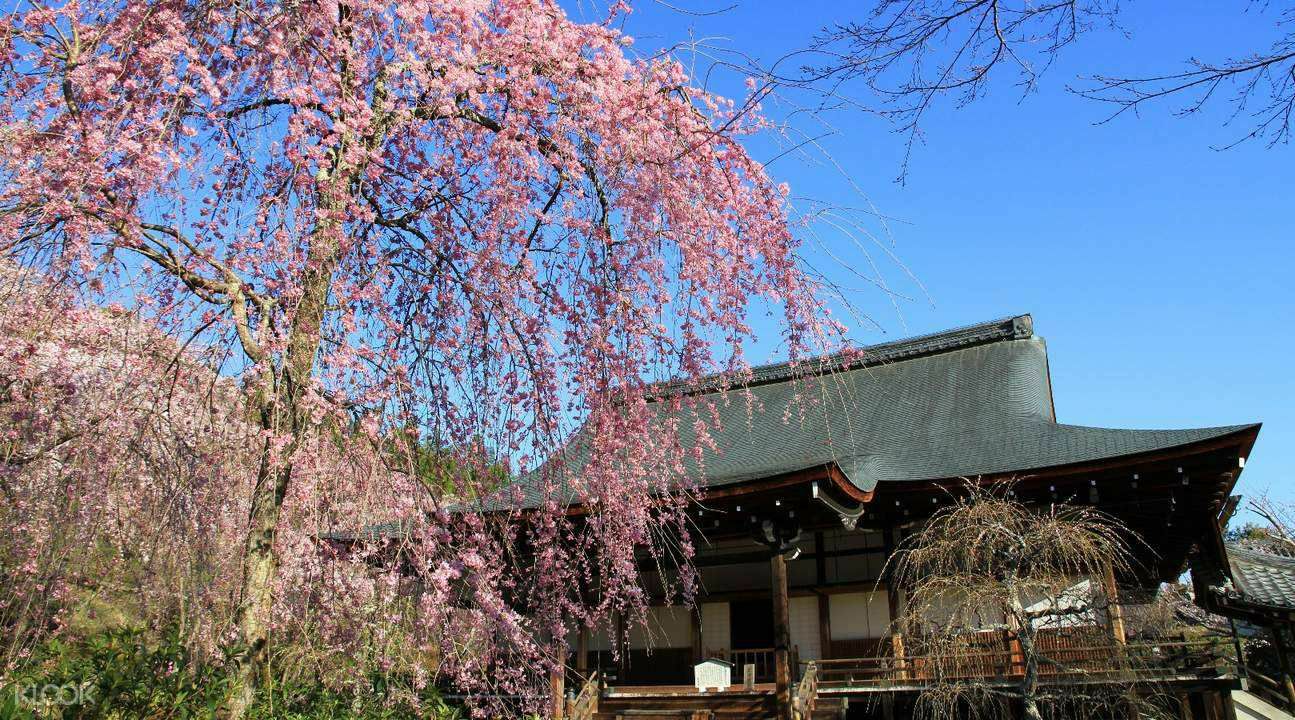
830	708
687	706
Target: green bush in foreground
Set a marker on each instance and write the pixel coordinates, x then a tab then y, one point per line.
120	674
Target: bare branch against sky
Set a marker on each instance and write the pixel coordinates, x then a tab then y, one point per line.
910	54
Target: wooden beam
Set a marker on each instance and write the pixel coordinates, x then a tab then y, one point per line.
781	636
799	477
759	556
843	484
792	591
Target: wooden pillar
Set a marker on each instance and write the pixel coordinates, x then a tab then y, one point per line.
897	651
1114	613
1015	656
1219	708
894	595
557	678
824	626
824	606
1229	707
582	652
781	636
1242	671
820	560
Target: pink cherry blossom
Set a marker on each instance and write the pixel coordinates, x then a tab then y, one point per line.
373	260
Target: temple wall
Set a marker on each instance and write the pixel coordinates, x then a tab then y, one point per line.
667	627
858	567
944	609
859	615
736	578
802	615
715	630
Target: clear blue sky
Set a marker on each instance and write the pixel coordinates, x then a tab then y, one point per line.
1158	269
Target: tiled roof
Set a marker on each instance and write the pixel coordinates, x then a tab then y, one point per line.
963	403
1019	326
1262	578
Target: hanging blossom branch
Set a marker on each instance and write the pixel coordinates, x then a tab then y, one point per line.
441	250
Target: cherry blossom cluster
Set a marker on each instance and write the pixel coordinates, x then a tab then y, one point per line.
408	265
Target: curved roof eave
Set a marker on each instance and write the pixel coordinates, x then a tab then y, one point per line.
1116	447
1073	448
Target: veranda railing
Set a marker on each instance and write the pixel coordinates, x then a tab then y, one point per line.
1061	662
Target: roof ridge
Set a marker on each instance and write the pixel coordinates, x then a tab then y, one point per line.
1260	555
1012	327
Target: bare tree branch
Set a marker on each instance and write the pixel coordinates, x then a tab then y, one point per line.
912	52
1262	85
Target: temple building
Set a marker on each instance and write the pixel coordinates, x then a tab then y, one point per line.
802	510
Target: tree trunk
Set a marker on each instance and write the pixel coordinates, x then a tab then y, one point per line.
1030	681
260	566
281	412
1029	655
334	186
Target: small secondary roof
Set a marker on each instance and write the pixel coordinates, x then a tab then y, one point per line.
1260	578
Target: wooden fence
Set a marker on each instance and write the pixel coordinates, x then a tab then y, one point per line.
761	658
1063	658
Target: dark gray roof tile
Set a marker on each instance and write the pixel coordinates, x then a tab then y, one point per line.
968	402
1262	578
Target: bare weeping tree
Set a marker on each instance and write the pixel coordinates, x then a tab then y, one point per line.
992	584
912	53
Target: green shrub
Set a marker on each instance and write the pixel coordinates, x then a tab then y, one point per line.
123	674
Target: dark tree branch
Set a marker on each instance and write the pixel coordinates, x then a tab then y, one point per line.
1263	89
912	52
